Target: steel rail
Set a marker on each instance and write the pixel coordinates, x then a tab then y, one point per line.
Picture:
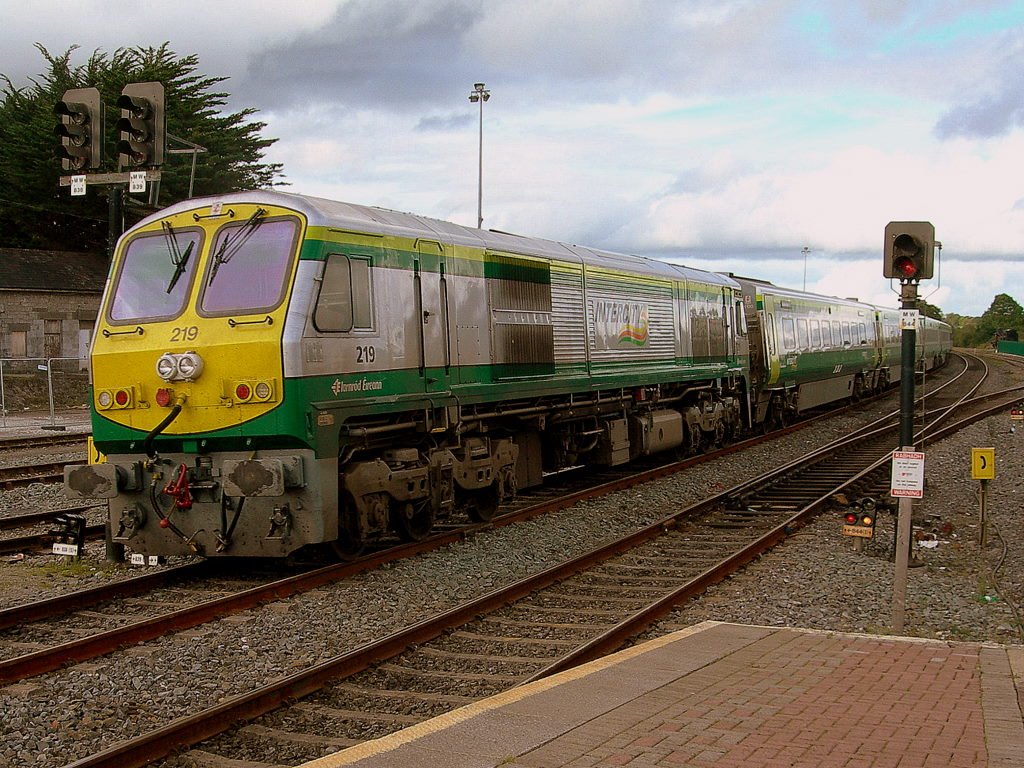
34	518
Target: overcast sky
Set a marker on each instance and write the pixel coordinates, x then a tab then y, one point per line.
722	134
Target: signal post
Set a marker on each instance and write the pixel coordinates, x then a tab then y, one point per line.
909	256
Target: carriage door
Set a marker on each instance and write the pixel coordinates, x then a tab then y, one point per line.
728	324
432	310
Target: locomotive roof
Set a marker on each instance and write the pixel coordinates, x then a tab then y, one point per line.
331	213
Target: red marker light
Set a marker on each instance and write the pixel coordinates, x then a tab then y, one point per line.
163	397
121	397
242	392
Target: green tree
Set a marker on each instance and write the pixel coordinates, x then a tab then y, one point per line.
36	212
929	310
1003	313
965	329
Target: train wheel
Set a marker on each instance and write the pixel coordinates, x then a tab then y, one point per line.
345	547
692	439
350	542
483	504
412	524
858	390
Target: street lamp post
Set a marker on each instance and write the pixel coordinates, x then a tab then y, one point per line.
805	251
480	94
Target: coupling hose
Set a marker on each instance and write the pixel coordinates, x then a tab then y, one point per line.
147	446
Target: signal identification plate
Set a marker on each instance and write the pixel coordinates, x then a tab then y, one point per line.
858	530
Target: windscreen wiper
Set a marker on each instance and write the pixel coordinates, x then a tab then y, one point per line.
178	259
179	268
233	243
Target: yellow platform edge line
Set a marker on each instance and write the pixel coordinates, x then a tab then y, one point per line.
412	733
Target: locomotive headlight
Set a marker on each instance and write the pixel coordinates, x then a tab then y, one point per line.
105	399
184	367
262	390
190	365
167	366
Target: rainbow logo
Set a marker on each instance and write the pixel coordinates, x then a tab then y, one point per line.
635	334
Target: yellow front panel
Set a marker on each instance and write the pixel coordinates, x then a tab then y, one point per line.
242	347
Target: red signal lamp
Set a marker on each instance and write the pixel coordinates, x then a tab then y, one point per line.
850	518
906	267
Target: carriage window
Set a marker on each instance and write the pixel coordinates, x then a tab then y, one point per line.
801	333
344	301
837	333
250	266
154	276
863	334
847	338
788	334
815	334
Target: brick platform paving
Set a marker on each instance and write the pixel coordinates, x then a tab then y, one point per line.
731	696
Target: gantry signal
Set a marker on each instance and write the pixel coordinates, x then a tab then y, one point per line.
142	128
80	129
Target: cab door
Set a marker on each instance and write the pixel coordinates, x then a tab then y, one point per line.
431	296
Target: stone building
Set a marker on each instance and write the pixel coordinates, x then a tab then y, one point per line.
48	305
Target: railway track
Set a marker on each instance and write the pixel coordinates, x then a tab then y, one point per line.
38	442
565	615
20	475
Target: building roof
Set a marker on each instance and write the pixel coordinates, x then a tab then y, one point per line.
52	271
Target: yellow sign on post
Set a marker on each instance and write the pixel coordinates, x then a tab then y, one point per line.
983	463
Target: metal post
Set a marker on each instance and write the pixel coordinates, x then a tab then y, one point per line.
480	175
479	94
906	506
49	388
984	516
3	397
115	217
899	589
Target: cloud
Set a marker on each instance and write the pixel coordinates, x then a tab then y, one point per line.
393	56
996	102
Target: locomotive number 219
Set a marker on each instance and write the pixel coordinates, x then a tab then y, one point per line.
366	354
187	333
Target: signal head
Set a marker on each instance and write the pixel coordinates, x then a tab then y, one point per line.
80	129
909	249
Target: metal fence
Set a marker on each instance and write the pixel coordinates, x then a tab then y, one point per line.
41	391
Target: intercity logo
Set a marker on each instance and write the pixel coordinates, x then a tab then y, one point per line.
620	323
